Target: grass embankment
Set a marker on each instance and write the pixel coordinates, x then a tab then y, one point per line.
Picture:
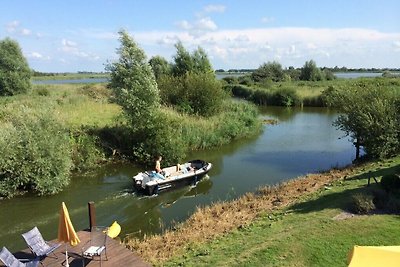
69	76
303	93
296	223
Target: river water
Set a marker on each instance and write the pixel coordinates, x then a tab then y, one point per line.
303	141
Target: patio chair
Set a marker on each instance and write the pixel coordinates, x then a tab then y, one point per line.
96	245
11	261
38	245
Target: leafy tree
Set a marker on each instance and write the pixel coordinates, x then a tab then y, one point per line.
269	71
133	83
201	64
15	73
370	117
310	72
184	62
160	66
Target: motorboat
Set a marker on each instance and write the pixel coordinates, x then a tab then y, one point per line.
189	173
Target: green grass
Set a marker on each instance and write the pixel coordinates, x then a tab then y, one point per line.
304	234
75	105
70	76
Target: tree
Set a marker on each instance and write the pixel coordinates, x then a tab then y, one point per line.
15	73
201	64
269	71
133	83
184	62
160	66
310	72
370	117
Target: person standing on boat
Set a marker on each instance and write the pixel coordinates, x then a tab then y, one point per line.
159	171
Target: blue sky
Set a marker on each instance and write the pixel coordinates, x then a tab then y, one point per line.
70	36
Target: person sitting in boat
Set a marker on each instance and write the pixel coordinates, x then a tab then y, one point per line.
159	172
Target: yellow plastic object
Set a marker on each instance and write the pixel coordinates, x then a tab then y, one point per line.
372	256
114	230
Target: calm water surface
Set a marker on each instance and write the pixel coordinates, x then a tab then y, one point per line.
303	141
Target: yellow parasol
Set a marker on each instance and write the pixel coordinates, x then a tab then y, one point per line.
66	231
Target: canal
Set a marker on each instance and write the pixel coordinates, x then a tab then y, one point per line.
302	141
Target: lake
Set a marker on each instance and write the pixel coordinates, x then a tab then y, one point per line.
303	141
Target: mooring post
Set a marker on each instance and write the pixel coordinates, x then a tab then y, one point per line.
92	214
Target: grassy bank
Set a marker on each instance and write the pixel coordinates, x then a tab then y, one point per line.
91	129
297	223
68	76
301	93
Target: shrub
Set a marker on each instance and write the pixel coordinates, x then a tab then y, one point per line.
35	152
230	79
97	92
286	97
363	203
245	80
42	91
15	73
193	93
241	91
85	151
314	101
390	182
262	97
160	138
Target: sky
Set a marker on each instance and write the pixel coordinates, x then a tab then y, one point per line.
72	36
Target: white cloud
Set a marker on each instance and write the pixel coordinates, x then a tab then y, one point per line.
15	27
396	45
249	48
215	8
267	19
25	32
205	24
35	55
12	26
184	25
71	47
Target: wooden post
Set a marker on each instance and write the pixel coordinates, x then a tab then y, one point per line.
92	214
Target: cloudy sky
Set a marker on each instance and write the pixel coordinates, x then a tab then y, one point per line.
71	36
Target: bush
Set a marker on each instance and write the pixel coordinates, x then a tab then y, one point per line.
42	91
15	73
35	152
160	138
363	203
241	91
193	93
390	182
96	91
314	101
262	97
85	151
286	97
230	79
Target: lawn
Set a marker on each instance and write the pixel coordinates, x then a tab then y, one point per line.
314	231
